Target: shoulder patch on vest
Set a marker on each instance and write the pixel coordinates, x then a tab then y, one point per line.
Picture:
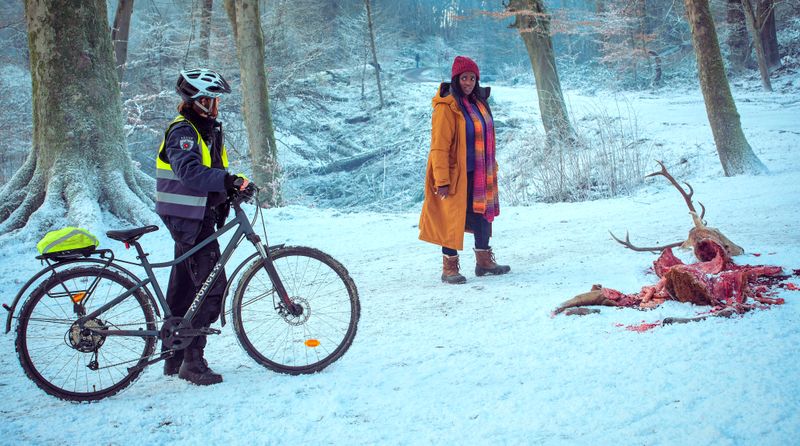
187	143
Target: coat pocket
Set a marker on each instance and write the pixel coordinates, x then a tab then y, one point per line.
454	177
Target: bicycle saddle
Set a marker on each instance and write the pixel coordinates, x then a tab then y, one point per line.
130	235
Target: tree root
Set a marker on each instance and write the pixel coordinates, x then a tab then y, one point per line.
142	185
74	196
16	190
125	203
27	199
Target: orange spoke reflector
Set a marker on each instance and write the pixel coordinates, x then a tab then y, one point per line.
312	343
77	297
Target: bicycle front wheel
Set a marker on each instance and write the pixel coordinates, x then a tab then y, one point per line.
79	364
304	343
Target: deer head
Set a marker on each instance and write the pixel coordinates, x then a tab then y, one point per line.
696	235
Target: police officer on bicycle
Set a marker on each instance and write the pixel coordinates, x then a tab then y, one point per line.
192	185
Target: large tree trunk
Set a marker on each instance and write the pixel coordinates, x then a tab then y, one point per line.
533	24
374	52
749	15
734	151
738	43
255	94
78	165
765	13
120	32
205	29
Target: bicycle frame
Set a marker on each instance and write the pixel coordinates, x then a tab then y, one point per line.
243	230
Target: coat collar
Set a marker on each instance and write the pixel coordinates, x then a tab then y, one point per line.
445	96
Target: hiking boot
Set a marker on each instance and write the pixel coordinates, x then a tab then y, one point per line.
173	364
485	264
450	270
195	369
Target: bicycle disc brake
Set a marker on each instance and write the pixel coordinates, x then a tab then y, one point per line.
298	314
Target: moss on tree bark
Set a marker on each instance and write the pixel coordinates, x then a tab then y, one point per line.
78	166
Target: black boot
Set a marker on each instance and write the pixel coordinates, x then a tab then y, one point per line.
173	363
195	369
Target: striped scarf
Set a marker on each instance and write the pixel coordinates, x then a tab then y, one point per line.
485	199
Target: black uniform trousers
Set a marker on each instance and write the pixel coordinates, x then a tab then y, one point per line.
187	277
481	228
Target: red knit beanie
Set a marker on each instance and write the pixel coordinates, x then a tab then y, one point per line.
462	64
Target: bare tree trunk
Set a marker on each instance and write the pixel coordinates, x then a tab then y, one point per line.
533	24
119	34
78	165
639	40
602	39
734	151
738	44
255	95
230	9
749	15
765	18
205	29
374	52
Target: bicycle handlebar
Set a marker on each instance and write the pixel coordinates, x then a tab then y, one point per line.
237	197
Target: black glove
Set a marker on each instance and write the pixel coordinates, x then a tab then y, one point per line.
239	186
248	192
230	182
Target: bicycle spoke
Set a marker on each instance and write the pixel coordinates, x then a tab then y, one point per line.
306	341
56	354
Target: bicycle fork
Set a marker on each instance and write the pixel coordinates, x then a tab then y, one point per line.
291	307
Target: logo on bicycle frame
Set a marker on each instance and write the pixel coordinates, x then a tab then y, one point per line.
211	276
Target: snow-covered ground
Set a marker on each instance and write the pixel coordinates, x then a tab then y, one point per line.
485	363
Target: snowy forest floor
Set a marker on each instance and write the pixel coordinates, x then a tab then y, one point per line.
485	363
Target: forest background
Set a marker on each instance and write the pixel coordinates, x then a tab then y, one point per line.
350	136
483	363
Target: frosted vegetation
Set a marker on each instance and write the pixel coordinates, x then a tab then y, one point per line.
483	363
338	149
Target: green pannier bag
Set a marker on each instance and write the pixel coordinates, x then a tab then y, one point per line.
70	240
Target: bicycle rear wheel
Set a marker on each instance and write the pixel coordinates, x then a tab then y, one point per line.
301	344
81	365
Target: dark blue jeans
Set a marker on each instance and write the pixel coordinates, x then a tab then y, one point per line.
481	228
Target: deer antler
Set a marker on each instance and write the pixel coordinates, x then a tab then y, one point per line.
627	243
697	235
687	196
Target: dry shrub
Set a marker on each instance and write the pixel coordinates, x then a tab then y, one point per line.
609	159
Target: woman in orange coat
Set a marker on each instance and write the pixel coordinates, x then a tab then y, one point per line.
461	177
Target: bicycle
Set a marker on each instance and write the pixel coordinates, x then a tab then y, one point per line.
90	327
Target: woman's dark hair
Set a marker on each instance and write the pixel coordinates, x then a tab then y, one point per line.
455	87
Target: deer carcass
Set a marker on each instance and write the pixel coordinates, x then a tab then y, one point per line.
714	280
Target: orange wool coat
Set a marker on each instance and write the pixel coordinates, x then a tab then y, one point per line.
442	222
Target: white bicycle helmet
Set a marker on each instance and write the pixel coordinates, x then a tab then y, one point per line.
198	83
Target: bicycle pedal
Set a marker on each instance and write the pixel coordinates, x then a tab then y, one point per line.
208	331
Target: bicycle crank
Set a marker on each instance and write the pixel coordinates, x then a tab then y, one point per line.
177	334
